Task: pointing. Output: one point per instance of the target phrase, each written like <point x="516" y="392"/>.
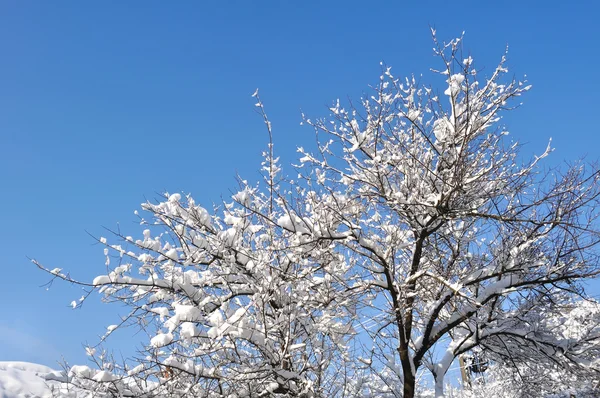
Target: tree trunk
<point x="408" y="372"/>
<point x="409" y="385"/>
<point x="439" y="387"/>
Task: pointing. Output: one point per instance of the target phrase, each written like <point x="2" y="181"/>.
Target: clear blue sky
<point x="105" y="104"/>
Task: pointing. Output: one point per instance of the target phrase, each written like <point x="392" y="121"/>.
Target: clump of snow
<point x="101" y="280"/>
<point x="161" y="340"/>
<point x="81" y="371"/>
<point x="454" y="84"/>
<point x="103" y="375"/>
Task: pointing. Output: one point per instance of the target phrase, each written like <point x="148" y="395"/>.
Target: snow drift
<point x="23" y="379"/>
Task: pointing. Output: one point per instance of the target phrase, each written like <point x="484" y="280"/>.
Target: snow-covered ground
<point x="28" y="380"/>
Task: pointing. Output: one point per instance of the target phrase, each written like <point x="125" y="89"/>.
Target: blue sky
<point x="104" y="105"/>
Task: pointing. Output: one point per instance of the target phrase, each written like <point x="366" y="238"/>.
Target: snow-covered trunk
<point x="439" y="386"/>
<point x="440" y="369"/>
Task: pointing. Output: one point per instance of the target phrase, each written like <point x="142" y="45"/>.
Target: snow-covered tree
<point x="576" y="324"/>
<point x="414" y="233"/>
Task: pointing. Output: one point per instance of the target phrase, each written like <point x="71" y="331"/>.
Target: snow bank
<point x="23" y="379"/>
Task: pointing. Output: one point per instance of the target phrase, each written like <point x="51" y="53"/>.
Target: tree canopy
<point x="415" y="232"/>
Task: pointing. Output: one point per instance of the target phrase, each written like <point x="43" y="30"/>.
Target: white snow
<point x="175" y="198"/>
<point x="101" y="280"/>
<point x="81" y="371"/>
<point x="103" y="376"/>
<point x="23" y="379"/>
<point x="161" y="340"/>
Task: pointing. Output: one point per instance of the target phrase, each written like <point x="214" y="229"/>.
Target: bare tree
<point x="413" y="234"/>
